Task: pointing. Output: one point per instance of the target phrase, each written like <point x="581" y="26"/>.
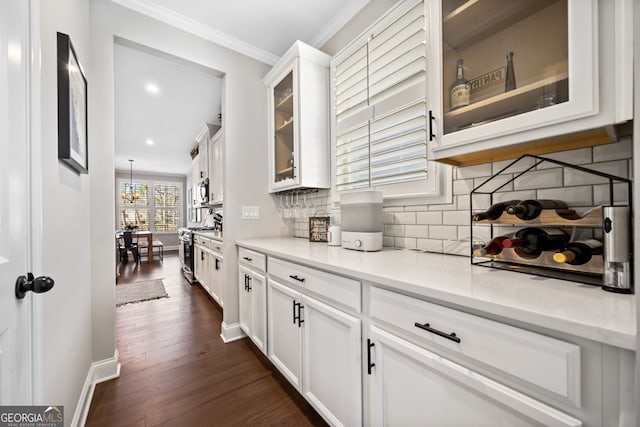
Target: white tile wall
<point x="446" y="228"/>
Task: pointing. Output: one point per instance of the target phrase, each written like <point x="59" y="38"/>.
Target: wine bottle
<point x="531" y="242"/>
<point x="578" y="252"/>
<point x="530" y="209"/>
<point x="494" y="247"/>
<point x="494" y="211"/>
<point x="460" y="90"/>
<point x="510" y="81"/>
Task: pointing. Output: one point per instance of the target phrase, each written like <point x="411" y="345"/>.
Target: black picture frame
<point x="72" y="108"/>
<point x="318" y="227"/>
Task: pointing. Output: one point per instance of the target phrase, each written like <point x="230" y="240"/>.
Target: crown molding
<point x="191" y="26"/>
<point x="348" y="11"/>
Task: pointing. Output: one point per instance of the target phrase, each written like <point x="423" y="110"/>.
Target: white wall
<point x="244" y="118"/>
<point x="66" y="309"/>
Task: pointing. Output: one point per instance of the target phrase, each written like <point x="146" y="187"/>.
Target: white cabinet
<point x="572" y="67"/>
<point x="318" y="349"/>
<point x="410" y="385"/>
<point x="209" y="268"/>
<point x="201" y="265"/>
<point x="298" y="95"/>
<point x="253" y="306"/>
<point x="216" y="168"/>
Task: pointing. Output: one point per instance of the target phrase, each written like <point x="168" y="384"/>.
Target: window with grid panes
<point x="157" y="209"/>
<point x="380" y="110"/>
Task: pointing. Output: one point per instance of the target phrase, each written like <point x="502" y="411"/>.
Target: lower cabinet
<point x="318" y="349"/>
<point x="201" y="266"/>
<point x="410" y="385"/>
<point x="253" y="304"/>
<point x="216" y="282"/>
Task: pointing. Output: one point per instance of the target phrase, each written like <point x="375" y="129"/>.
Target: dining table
<point x="141" y="234"/>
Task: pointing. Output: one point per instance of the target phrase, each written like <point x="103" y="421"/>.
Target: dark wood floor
<point x="176" y="371"/>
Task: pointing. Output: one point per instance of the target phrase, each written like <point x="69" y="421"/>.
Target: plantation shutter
<point x="380" y="110"/>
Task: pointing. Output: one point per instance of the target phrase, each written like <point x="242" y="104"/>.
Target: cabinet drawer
<point x="549" y="363"/>
<point x="254" y="259"/>
<point x="199" y="240"/>
<point x="215" y="246"/>
<point x="343" y="291"/>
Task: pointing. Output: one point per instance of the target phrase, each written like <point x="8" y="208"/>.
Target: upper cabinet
<point x="298" y="88"/>
<point x="531" y="75"/>
<point x="216" y="168"/>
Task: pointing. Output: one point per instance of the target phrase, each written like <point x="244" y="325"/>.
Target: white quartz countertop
<point x="573" y="308"/>
<point x="214" y="235"/>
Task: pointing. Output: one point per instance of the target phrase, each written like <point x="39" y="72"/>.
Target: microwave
<point x="201" y="193"/>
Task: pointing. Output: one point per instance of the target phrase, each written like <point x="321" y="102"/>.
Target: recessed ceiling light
<point x="149" y="142"/>
<point x="152" y="88"/>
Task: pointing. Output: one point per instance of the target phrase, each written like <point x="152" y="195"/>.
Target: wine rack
<point x="582" y="221"/>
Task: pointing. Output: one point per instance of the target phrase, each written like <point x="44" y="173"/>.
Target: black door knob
<point x="38" y="285"/>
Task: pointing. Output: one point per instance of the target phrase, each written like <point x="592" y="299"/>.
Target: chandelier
<point x="130" y="193"/>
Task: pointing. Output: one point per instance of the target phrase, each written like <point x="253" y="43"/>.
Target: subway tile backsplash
<point x="445" y="228"/>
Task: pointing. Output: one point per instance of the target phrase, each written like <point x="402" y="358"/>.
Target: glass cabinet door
<point x="284" y="130"/>
<point x="502" y="58"/>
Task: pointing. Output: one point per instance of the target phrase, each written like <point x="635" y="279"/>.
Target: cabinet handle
<point x="217" y="264"/>
<point x="452" y="336"/>
<point x="249" y="284"/>
<point x="294" y="311"/>
<point x="201" y="255"/>
<point x="201" y="174"/>
<point x="300" y="319"/>
<point x="299" y="279"/>
<point x="369" y="364"/>
<point x="246" y="258"/>
<point x="431" y="119"/>
<point x="245" y="282"/>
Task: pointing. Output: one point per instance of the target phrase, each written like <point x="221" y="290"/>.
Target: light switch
<point x="250" y="212"/>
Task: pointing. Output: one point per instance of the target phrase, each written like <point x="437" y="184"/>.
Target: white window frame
<point x="437" y="188"/>
<point x="151" y="183"/>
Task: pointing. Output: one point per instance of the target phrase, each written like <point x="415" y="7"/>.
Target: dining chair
<point x="129" y="246"/>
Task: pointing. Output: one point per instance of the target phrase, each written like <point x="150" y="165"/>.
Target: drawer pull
<point x="299" y="279"/>
<point x="452" y="336"/>
<point x="246" y="258"/>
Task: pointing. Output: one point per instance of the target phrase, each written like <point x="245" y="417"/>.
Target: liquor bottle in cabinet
<point x="460" y="91"/>
<point x="510" y="80"/>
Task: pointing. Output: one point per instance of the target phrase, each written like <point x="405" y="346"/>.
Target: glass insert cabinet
<point x="298" y="123"/>
<point x="511" y="71"/>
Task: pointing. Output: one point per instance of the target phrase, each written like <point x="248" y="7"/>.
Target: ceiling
<point x="174" y="115"/>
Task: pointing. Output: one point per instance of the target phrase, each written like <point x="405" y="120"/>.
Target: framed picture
<point x="72" y="108"/>
<point x="318" y="227"/>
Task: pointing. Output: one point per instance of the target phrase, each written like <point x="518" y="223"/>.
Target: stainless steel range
<point x="186" y="249"/>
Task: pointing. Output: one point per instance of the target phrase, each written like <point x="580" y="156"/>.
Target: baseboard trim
<point x="230" y="333"/>
<point x="100" y="371"/>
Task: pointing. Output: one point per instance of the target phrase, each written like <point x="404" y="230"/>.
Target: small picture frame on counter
<point x="318" y="227"/>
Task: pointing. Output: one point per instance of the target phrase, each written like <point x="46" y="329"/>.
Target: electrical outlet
<point x="250" y="212"/>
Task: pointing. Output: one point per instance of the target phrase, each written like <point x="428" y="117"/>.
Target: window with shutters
<point x="380" y="111"/>
<point x="158" y="207"/>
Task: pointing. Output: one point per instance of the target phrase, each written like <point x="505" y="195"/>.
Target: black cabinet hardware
<point x="28" y="283"/>
<point x="294" y="310"/>
<point x="201" y="174"/>
<point x="249" y="283"/>
<point x="369" y="364"/>
<point x="300" y="319"/>
<point x="217" y="263"/>
<point x="246" y="283"/>
<point x="299" y="279"/>
<point x="201" y="255"/>
<point x="246" y="258"/>
<point x="452" y="336"/>
<point x="431" y="119"/>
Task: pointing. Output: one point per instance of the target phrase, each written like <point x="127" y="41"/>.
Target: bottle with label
<point x="494" y="247"/>
<point x="460" y="90"/>
<point x="531" y="209"/>
<point x="531" y="242"/>
<point x="510" y="81"/>
<point x="578" y="252"/>
<point x="495" y="211"/>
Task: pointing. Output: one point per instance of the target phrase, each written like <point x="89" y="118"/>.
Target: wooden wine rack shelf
<point x="549" y="218"/>
<point x="545" y="260"/>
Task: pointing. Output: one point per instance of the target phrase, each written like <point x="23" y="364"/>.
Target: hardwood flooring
<point x="176" y="371"/>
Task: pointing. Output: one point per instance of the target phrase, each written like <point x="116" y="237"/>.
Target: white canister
<point x="334" y="236"/>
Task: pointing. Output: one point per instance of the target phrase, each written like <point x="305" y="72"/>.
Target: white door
<point x="215" y="284"/>
<point x="409" y="385"/>
<point x="258" y="292"/>
<point x="244" y="300"/>
<point x="16" y="359"/>
<point x="284" y="334"/>
<point x="331" y="362"/>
